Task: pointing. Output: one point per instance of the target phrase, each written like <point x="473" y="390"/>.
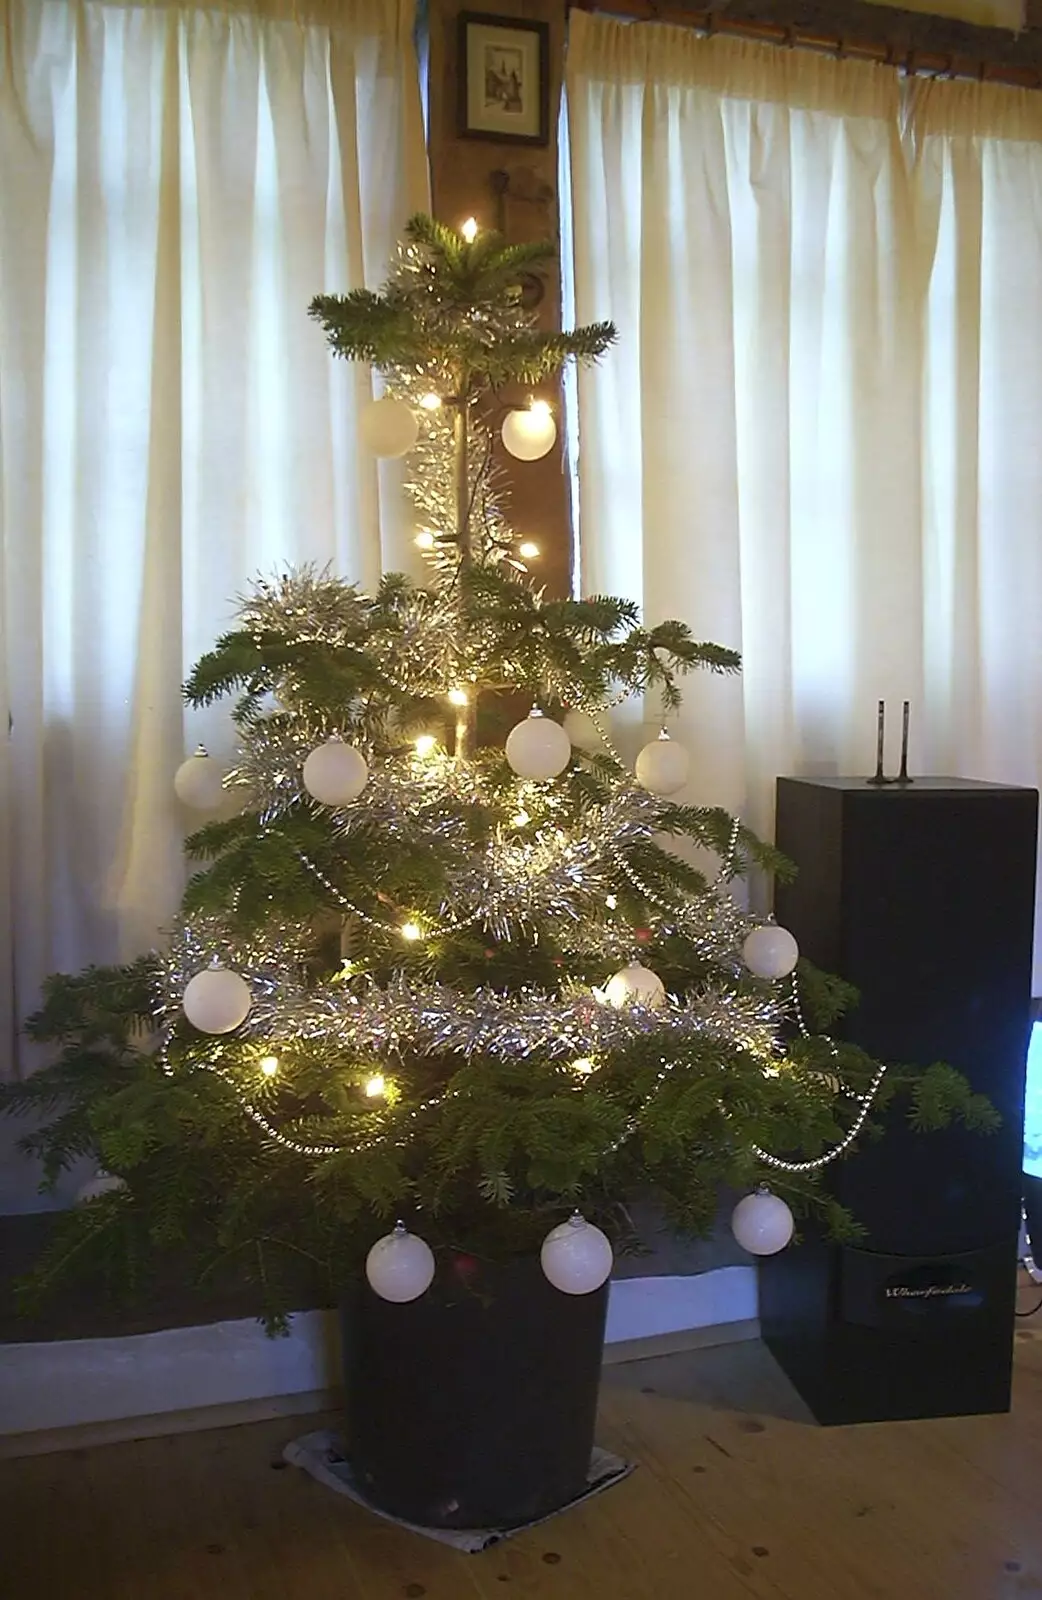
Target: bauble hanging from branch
<point x="663" y="766"/>
<point x="101" y="1184"/>
<point x="217" y="1000"/>
<point x="538" y="748"/>
<point x="582" y="731"/>
<point x="400" y="1266"/>
<point x="531" y="433"/>
<point x="770" y="951"/>
<point x="388" y="427"/>
<point x="335" y="773"/>
<point x="635" y="985"/>
<point x="199" y="782"/>
<point x="762" y="1223"/>
<point x="576" y="1257"/>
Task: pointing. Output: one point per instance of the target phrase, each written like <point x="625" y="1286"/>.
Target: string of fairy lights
<point x="582" y="1067"/>
<point x="727" y="920"/>
<point x="500" y="889"/>
<point x="414" y="930"/>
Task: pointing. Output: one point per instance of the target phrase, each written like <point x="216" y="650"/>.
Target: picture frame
<point x="503" y="68"/>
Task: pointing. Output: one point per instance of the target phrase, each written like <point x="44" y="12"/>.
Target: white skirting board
<point x="98" y="1390"/>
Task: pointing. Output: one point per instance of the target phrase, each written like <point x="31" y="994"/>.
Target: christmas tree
<point x="424" y="975"/>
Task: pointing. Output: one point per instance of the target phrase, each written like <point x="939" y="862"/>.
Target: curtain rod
<point x="919" y="45"/>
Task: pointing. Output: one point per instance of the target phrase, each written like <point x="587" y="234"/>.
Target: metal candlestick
<point x="903" y="775"/>
<point x="880" y="779"/>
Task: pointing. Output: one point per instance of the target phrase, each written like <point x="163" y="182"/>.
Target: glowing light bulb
<point x="583" y="1067"/>
<point x="529" y="432"/>
<point x="424" y="540"/>
<point x="269" y="1065"/>
<point x="611" y="902"/>
<point x="469" y="229"/>
<point x="376" y="1086"/>
<point x="528" y="550"/>
<point x="458" y="697"/>
<point x="430" y="402"/>
<point x="411" y="931"/>
<point x="425" y="744"/>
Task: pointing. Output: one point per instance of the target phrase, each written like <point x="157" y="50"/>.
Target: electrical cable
<point x="1027" y="1261"/>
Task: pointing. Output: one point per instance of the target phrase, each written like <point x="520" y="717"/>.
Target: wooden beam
<point x="910" y="40"/>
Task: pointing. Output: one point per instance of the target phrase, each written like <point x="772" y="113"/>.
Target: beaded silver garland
<point x="514" y="883"/>
<point x="778" y="1165"/>
<point x="450" y="925"/>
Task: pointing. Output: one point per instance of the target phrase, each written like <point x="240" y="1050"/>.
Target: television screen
<point x="1033" y="1105"/>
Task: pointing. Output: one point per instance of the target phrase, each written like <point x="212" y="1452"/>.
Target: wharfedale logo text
<point x="931" y="1292"/>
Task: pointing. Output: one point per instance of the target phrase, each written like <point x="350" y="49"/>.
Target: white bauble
<point x="538" y="747"/>
<point x="762" y="1223"/>
<point x="770" y="951"/>
<point x="400" y="1266"/>
<point x="582" y="731"/>
<point x="199" y="782"/>
<point x="576" y="1256"/>
<point x="663" y="766"/>
<point x="217" y="1000"/>
<point x="94" y="1188"/>
<point x="388" y="427"/>
<point x="635" y="986"/>
<point x="531" y="433"/>
<point x="335" y="773"/>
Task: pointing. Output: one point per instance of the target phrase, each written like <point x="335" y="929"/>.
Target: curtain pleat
<point x="817" y="440"/>
<point x="178" y="181"/>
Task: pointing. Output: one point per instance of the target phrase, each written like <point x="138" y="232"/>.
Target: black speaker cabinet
<point x="923" y="898"/>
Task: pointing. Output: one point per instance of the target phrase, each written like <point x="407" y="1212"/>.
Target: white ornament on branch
<point x="335" y="773"/>
<point x="770" y="951"/>
<point x="217" y="1000"/>
<point x="199" y="782"/>
<point x="388" y="427"/>
<point x="583" y="731"/>
<point x="400" y="1266"/>
<point x="635" y="985"/>
<point x="102" y="1183"/>
<point x="538" y="748"/>
<point x="531" y="433"/>
<point x="762" y="1223"/>
<point x="663" y="766"/>
<point x="576" y="1257"/>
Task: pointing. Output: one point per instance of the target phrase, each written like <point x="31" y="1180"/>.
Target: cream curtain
<point x="820" y="437"/>
<point x="176" y="182"/>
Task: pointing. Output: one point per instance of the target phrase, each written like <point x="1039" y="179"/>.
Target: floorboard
<point x="737" y="1496"/>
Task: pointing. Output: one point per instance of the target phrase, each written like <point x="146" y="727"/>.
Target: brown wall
<point x="463" y="186"/>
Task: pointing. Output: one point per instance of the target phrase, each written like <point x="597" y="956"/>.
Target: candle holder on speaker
<point x="880" y="780"/>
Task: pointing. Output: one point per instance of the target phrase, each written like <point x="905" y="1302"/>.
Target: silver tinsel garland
<point x="409" y="640"/>
<point x="527" y="872"/>
<point x="432" y="1018"/>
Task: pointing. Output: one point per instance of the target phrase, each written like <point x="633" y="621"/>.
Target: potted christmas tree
<point x="441" y="1001"/>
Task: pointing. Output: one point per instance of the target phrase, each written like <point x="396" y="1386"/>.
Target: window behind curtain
<point x="177" y="181"/>
<point x="819" y="439"/>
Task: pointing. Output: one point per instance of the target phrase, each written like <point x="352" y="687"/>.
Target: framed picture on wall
<point x="504" y="79"/>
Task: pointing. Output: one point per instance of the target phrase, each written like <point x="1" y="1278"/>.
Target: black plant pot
<point x="473" y="1406"/>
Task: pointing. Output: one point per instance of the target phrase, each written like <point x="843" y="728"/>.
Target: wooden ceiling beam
<point x="911" y="40"/>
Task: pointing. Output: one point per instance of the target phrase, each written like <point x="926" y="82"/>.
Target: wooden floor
<point x="735" y="1495"/>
